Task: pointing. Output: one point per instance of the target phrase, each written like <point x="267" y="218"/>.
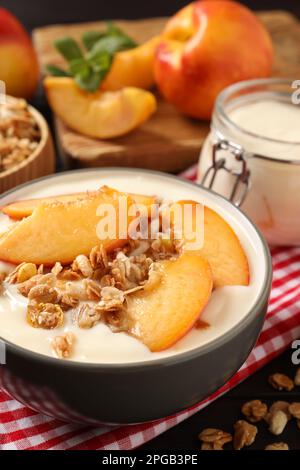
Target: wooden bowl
<point x="40" y="163"/>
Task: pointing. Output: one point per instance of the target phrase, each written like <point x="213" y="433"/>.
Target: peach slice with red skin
<point x="61" y="231"/>
<point x="221" y="248"/>
<point x="24" y="208"/>
<point x="162" y="316"/>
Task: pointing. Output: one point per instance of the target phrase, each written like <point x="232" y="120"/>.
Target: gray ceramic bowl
<point x="139" y="391"/>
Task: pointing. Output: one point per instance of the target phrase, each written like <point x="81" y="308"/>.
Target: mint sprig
<point x="89" y="68"/>
<point x="68" y="48"/>
<point x="90" y="38"/>
<point x="57" y="71"/>
<point x="111" y="44"/>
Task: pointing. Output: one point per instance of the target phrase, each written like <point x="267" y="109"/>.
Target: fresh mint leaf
<point x="113" y="30"/>
<point x="79" y="67"/>
<point x="99" y="61"/>
<point x="89" y="69"/>
<point x="89" y="72"/>
<point x="90" y="82"/>
<point x="89" y="38"/>
<point x="68" y="48"/>
<point x="57" y="71"/>
<point x="111" y="45"/>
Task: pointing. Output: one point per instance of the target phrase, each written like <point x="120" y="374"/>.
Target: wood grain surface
<point x="168" y="141"/>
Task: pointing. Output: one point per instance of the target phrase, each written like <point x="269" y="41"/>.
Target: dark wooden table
<point x="225" y="411"/>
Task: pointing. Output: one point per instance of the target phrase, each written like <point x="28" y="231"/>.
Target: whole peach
<point x="19" y="68"/>
<point x="205" y="47"/>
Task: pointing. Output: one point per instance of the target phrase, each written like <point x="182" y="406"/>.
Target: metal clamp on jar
<point x="242" y="176"/>
<point x="252" y="155"/>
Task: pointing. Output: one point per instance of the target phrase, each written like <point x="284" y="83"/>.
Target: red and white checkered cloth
<point x="22" y="428"/>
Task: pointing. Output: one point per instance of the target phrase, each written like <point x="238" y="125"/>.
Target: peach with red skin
<point x="19" y="66"/>
<point x="207" y="46"/>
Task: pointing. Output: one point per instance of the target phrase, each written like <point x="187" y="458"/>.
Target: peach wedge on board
<point x="20" y="209"/>
<point x="102" y="115"/>
<point x="60" y="231"/>
<point x="161" y="316"/>
<point x="222" y="249"/>
<point x="132" y="67"/>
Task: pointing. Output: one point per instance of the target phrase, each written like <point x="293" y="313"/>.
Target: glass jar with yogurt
<point x="252" y="155"/>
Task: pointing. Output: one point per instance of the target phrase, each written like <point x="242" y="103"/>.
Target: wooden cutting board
<point x="168" y="141"/>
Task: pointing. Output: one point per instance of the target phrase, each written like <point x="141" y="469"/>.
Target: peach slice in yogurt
<point x="19" y="209"/>
<point x="221" y="247"/>
<point x="60" y="231"/>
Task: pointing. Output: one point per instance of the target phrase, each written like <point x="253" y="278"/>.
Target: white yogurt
<point x="226" y="308"/>
<point x="269" y="128"/>
<point x="272" y="120"/>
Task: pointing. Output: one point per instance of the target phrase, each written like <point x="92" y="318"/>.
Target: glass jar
<point x="256" y="171"/>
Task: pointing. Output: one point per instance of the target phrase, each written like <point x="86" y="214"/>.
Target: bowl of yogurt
<point x="112" y="377"/>
<point x="253" y="155"/>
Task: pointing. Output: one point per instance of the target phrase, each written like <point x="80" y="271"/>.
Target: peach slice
<point x="133" y="67"/>
<point x="20" y="209"/>
<point x="222" y="249"/>
<point x="161" y="316"/>
<point x="61" y="231"/>
<point x="104" y="114"/>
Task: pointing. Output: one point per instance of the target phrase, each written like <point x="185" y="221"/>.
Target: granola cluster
<point x="281" y="382"/>
<point x="63" y="345"/>
<point x="92" y="289"/>
<point x="19" y="133"/>
<point x="214" y="439"/>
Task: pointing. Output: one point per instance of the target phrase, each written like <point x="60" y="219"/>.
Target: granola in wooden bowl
<point x="26" y="148"/>
<point x="19" y="133"/>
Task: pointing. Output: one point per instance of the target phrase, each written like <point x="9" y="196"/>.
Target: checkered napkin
<point x="22" y="428"/>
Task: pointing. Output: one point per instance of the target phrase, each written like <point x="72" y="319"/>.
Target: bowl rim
<point x="177" y="358"/>
<point x="45" y="133"/>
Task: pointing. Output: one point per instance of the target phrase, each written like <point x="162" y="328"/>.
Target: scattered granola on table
<point x="277" y="422"/>
<point x="294" y="410"/>
<point x="214" y="439"/>
<point x="254" y="410"/>
<point x="277" y="417"/>
<point x="277" y="446"/>
<point x="279" y="405"/>
<point x="211" y="446"/>
<point x="297" y="377"/>
<point x="19" y="133"/>
<point x="281" y="382"/>
<point x="244" y="434"/>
